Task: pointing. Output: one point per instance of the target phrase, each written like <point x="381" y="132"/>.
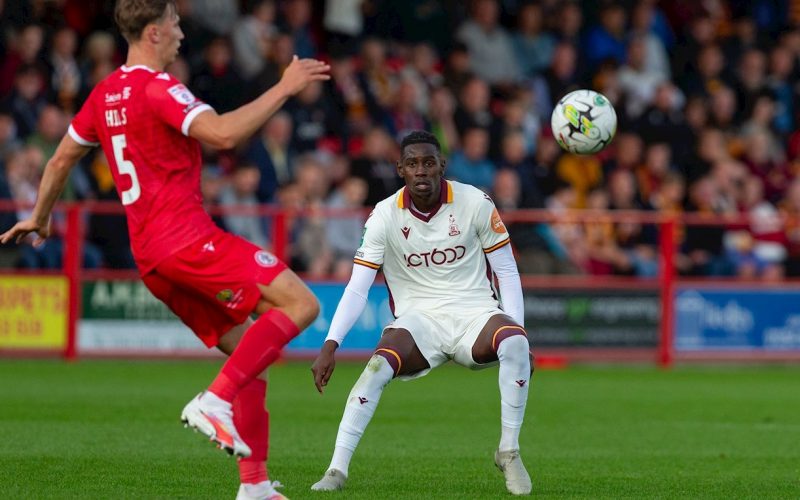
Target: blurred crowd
<point x="705" y="92"/>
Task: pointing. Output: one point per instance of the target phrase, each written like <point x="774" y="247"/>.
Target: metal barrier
<point x="665" y="284"/>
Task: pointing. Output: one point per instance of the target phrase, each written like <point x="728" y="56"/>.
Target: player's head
<point x="151" y="22"/>
<point x="421" y="164"/>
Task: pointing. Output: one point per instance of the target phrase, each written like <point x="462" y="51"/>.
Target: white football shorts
<point x="445" y="336"/>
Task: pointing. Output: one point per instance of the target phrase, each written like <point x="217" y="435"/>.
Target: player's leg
<point x="286" y="306"/>
<point x="251" y="418"/>
<point x="397" y="354"/>
<point x="503" y="340"/>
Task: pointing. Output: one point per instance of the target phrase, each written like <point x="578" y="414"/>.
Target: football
<point x="584" y="122"/>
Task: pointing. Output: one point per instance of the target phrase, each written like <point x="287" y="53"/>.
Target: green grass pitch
<point x="109" y="429"/>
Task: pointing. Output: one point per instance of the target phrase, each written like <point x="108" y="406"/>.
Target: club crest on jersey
<point x="225" y="295"/>
<point x="265" y="259"/>
<point x="406" y="230"/>
<point x="453" y="227"/>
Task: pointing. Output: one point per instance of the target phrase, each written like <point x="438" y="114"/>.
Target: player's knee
<point x="303" y="310"/>
<point x="514" y="348"/>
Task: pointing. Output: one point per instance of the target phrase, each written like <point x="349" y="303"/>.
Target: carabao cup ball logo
<point x="265" y="259"/>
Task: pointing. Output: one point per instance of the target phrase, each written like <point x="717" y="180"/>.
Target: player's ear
<point x="443" y="163"/>
<point x="399" y="165"/>
<point x="151" y="33"/>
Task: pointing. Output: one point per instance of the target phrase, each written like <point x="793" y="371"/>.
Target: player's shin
<point x="252" y="421"/>
<point x="260" y="346"/>
<point x="361" y="405"/>
<point x="514" y="377"/>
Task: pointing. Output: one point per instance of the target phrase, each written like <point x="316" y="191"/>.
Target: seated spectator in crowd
<point x="26" y="50"/>
<point x="314" y="118"/>
<point x="441" y="114"/>
<point x="9" y="140"/>
<point x="422" y="72"/>
<point x="377" y="77"/>
<point x="251" y="38"/>
<point x="271" y="152"/>
<point x="702" y="250"/>
<point x="296" y="21"/>
<point x="471" y="164"/>
<point x="27" y="99"/>
<point x="64" y="70"/>
<point x="241" y="192"/>
<point x="491" y="52"/>
<point x="376" y="165"/>
<point x="108" y="232"/>
<point x="311" y="249"/>
<point x="759" y="248"/>
<point x="635" y="79"/>
<point x="217" y="82"/>
<point x="533" y="46"/>
<point x="212" y="181"/>
<point x="606" y="41"/>
<point x="790" y="209"/>
<point x="473" y="106"/>
<point x="344" y="233"/>
<point x="404" y="117"/>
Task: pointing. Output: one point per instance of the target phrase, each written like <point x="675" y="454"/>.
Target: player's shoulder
<point x="468" y="194"/>
<point x="384" y="207"/>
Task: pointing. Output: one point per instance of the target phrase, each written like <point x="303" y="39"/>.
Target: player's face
<point x="421" y="167"/>
<point x="170" y="35"/>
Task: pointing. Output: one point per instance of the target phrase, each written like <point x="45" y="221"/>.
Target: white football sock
<point x="515" y="371"/>
<point x="358" y="411"/>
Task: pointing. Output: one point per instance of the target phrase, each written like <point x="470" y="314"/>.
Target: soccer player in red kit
<point x="150" y="127"/>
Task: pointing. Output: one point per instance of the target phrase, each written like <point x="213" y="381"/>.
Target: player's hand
<point x="323" y="366"/>
<point x="24" y="228"/>
<point x="301" y="72"/>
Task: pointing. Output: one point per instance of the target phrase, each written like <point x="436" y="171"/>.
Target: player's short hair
<point x="420" y="137"/>
<point x="133" y="15"/>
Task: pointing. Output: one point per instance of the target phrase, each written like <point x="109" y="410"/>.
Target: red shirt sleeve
<point x="82" y="129"/>
<point x="173" y="103"/>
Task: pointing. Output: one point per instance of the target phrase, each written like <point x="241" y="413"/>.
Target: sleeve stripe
<point x="367" y="264"/>
<point x="498" y="245"/>
<point x="187" y="122"/>
<point x="80" y="140"/>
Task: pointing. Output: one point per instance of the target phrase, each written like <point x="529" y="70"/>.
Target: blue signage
<point x="365" y="333"/>
<point x="727" y="319"/>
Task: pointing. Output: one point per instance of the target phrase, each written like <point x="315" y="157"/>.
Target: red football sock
<point x="252" y="421"/>
<point x="260" y="346"/>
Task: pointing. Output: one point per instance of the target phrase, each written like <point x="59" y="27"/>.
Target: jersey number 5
<point x="126" y="167"/>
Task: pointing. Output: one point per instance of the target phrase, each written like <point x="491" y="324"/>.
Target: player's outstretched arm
<point x="350" y="307"/>
<point x="55" y="176"/>
<point x="228" y="130"/>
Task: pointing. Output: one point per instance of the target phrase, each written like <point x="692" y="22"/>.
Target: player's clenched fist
<point x="301" y="72"/>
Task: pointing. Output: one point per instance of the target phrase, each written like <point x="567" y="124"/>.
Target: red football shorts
<point x="212" y="285"/>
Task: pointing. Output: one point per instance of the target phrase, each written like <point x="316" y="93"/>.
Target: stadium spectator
<point x="217" y="82"/>
<point x="344" y="232"/>
<point x="241" y="191"/>
<point x="606" y="41"/>
<point x="26" y="50"/>
<point x="491" y="52"/>
<point x="271" y="152"/>
<point x="314" y="117"/>
<point x="404" y="116"/>
<point x="471" y="164"/>
<point x="251" y="38"/>
<point x="297" y="23"/>
<point x="376" y="166"/>
<point x="533" y="46"/>
<point x="27" y="98"/>
<point x="441" y="113"/>
<point x="65" y="79"/>
<point x="473" y="106"/>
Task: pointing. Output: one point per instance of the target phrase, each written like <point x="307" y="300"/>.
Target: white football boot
<point x="518" y="482"/>
<point x="333" y="480"/>
<point x="264" y="490"/>
<point x="213" y="417"/>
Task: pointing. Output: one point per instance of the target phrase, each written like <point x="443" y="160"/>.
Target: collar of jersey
<point x="128" y="69"/>
<point x="445" y="196"/>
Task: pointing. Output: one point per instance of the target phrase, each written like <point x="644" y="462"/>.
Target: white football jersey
<point x="435" y="262"/>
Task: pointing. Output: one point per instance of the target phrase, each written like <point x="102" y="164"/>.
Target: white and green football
<point x="584" y="122"/>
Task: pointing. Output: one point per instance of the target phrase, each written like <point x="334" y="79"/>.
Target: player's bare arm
<point x="229" y="129"/>
<point x="56" y="174"/>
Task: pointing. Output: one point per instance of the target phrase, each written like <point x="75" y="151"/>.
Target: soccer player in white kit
<point x="433" y="239"/>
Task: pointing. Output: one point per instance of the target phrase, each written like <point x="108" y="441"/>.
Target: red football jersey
<point x="141" y="119"/>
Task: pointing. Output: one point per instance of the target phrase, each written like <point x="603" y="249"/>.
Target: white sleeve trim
<point x="187" y="122"/>
<point x="80" y="140"/>
<point x="352" y="303"/>
<point x="505" y="267"/>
